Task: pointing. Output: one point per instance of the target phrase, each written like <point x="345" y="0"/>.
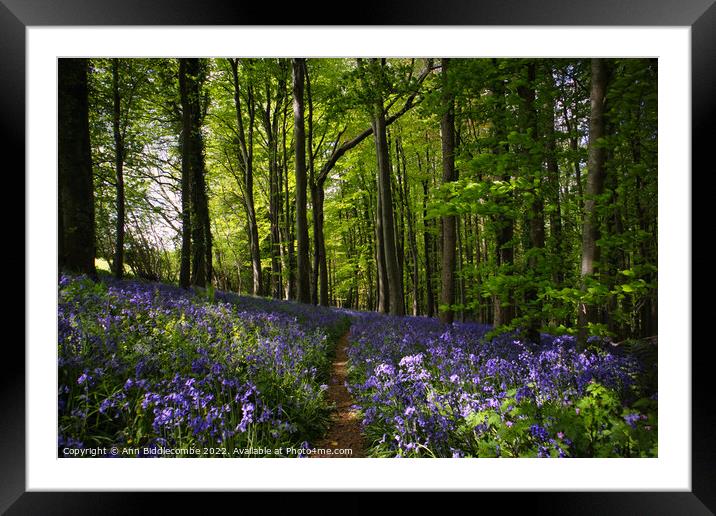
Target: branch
<point x="340" y="151"/>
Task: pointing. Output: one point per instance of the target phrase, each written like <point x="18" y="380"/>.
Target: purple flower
<point x="632" y="419"/>
<point x="539" y="433"/>
<point x="188" y="367"/>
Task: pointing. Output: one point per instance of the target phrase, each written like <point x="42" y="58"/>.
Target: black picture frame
<point x="16" y="15"/>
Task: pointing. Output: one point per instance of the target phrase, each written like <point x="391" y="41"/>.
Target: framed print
<point x="679" y="479"/>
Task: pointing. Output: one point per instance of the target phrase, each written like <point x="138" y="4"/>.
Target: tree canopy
<point x="515" y="192"/>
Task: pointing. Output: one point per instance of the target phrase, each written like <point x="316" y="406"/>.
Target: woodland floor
<point x="345" y="430"/>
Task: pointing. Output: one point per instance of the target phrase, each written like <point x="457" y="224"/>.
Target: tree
<point x="135" y="123"/>
<point x="299" y="138"/>
<point x="389" y="224"/>
<point x="196" y="211"/>
<point x="408" y="216"/>
<point x="393" y="276"/>
<point x="427" y="253"/>
<point x="186" y="180"/>
<point x="595" y="187"/>
<point x="532" y="156"/>
<point x="76" y="188"/>
<point x="245" y="137"/>
<point x="553" y="177"/>
<point x="320" y="266"/>
<point x="447" y="131"/>
<point x="503" y="303"/>
<point x="270" y="121"/>
<point x="118" y="263"/>
<point x="319" y="176"/>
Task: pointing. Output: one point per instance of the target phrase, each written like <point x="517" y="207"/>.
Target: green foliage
<point x="502" y="158"/>
<point x="148" y="126"/>
<point x="596" y="425"/>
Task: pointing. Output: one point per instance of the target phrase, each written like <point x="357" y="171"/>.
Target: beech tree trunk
<point x="533" y="162"/>
<point x="555" y="215"/>
<point x="503" y="307"/>
<point x="427" y="250"/>
<point x="320" y="267"/>
<point x="595" y="186"/>
<point x="75" y="182"/>
<point x="270" y="120"/>
<point x="319" y="278"/>
<point x="387" y="219"/>
<point x="245" y="138"/>
<point x="410" y="222"/>
<point x="303" y="269"/>
<point x="193" y="157"/>
<point x="118" y="262"/>
<point x="186" y="181"/>
<point x="288" y="219"/>
<point x="447" y="132"/>
<point x="382" y="274"/>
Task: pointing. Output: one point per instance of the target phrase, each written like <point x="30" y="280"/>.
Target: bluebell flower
<point x="632" y="419"/>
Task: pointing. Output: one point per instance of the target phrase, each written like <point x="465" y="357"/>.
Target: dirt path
<point x="344" y="431"/>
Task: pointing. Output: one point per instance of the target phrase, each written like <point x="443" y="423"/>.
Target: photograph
<point x="441" y="242"/>
<point x="384" y="257"/>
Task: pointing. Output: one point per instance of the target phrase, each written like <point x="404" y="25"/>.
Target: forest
<point x="475" y="239"/>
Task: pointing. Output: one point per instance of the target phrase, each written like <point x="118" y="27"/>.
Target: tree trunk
<point x="118" y="262"/>
<point x="533" y="163"/>
<point x="595" y="186"/>
<point x="271" y="127"/>
<point x="573" y="131"/>
<point x="75" y="179"/>
<point x="398" y="211"/>
<point x="319" y="246"/>
<point x="412" y="240"/>
<point x="503" y="310"/>
<point x="447" y="132"/>
<point x="274" y="216"/>
<point x="246" y="164"/>
<point x="382" y="274"/>
<point x="312" y="186"/>
<point x="208" y="241"/>
<point x="553" y="184"/>
<point x="299" y="138"/>
<point x="459" y="271"/>
<point x="616" y="259"/>
<point x="319" y="278"/>
<point x="186" y="182"/>
<point x="193" y="157"/>
<point x="427" y="250"/>
<point x="370" y="241"/>
<point x="395" y="284"/>
<point x="467" y="266"/>
<point x="648" y="316"/>
<point x="288" y="222"/>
